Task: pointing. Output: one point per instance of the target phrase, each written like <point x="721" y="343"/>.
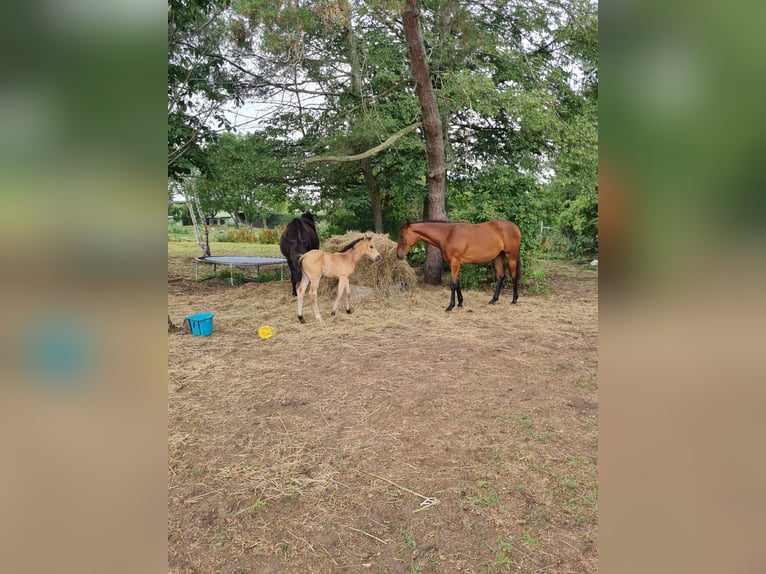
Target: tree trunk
<point x="375" y="203"/>
<point x="432" y="129"/>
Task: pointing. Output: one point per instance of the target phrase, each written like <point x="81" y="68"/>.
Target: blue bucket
<point x="201" y="324"/>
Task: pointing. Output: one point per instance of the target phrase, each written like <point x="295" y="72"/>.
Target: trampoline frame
<point x="239" y="261"/>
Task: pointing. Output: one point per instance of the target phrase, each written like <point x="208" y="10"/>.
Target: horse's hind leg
<point x="514" y="263"/>
<point x="500" y="274"/>
<point x="315" y="305"/>
<point x="301" y="291"/>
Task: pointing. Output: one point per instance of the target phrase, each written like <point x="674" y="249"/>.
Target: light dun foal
<point x="316" y="264"/>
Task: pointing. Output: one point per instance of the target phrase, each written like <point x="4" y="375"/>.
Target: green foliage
<point x="178" y="211"/>
<point x="247" y="176"/>
<point x="249" y="235"/>
<point x="500" y="192"/>
<point x="178" y="232"/>
<point x="517" y="88"/>
<point x="579" y="222"/>
<point x="200" y="81"/>
<point x="533" y="277"/>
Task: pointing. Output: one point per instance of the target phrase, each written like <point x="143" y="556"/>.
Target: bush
<point x="579" y="223"/>
<point x="241" y="235"/>
<point x="270" y="236"/>
<point x="250" y="235"/>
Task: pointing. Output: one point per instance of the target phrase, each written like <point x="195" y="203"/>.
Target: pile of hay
<point x="389" y="275"/>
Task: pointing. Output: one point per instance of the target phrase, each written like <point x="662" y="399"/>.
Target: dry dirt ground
<point x="398" y="438"/>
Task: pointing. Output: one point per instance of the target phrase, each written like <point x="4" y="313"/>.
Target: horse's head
<point x="406" y="240"/>
<point x="369" y="248"/>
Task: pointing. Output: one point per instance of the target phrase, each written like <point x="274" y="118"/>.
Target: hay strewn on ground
<point x="387" y="276"/>
<point x="313" y="450"/>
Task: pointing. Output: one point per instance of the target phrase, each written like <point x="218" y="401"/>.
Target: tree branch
<point x="369" y="153"/>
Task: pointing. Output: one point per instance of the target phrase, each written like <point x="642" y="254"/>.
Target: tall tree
<point x="436" y="173"/>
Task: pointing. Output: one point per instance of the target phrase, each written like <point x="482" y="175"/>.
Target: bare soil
<point x="398" y="438"/>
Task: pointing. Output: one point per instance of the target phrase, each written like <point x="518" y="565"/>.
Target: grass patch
<point x="260" y="505"/>
<point x="486" y="497"/>
<point x="531" y="429"/>
<point x="588" y="384"/>
<point x="220" y="538"/>
<point x="284" y="550"/>
<point x="502" y="551"/>
<point x="409" y="538"/>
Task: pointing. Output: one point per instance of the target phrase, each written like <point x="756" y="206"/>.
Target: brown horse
<point x="299" y="237"/>
<point x="468" y="243"/>
<point x="316" y="264"/>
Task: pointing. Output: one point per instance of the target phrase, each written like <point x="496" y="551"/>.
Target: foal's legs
<point x="313" y="293"/>
<point x="301" y="290"/>
<point x="348" y="297"/>
<point x="343" y="287"/>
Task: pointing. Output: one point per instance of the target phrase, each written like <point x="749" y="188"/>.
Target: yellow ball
<point x="265" y="332"/>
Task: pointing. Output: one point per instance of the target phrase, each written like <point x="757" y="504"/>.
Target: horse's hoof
<point x="333" y="313"/>
<point x="300" y="318"/>
<point x="348" y="311"/>
<point x="448" y="309"/>
<point x="513" y="302"/>
<point x="492" y="301"/>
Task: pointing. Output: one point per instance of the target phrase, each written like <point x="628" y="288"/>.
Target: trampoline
<point x="239" y="261"/>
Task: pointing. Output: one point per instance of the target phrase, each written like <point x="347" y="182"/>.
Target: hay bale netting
<point x="387" y="276"/>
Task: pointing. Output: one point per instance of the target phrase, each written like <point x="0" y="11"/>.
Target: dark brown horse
<point x="468" y="243"/>
<point x="299" y="237"/>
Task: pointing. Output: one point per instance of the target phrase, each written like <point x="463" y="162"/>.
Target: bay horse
<point x="316" y="264"/>
<point x="299" y="237"/>
<point x="462" y="242"/>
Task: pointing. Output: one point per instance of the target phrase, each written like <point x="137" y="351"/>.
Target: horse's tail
<point x="299" y="263"/>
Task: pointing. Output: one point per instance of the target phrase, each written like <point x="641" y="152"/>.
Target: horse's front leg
<point x="453" y="288"/>
<point x="348" y="297"/>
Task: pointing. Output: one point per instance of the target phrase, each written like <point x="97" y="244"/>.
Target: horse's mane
<point x="406" y="223"/>
<point x="351" y="245"/>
